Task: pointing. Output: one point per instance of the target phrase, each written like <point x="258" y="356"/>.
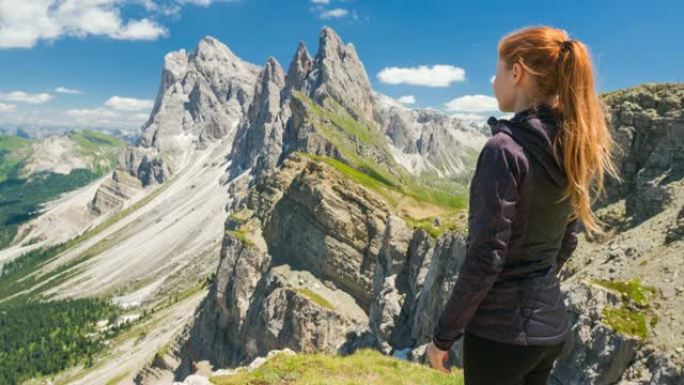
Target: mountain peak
<point x="329" y="42"/>
<point x="271" y="64"/>
<point x="209" y="48"/>
<point x="338" y="73"/>
<point x="202" y="97"/>
<point x="300" y="66"/>
<point x="302" y="54"/>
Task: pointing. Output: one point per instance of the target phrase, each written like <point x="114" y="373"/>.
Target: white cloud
<point x="472" y="104"/>
<point x="67" y="90"/>
<point x="205" y="3"/>
<point x="128" y="104"/>
<point x="491" y="80"/>
<point x="407" y="99"/>
<point x="115" y="113"/>
<point x="439" y="75"/>
<point x="4" y="107"/>
<point x="466" y="116"/>
<point x="91" y="113"/>
<point x="144" y="29"/>
<point x="320" y="1"/>
<point x="24" y="97"/>
<point x="52" y="118"/>
<point x="25" y="23"/>
<point x="334" y="13"/>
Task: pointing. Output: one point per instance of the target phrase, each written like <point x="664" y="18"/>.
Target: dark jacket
<point x="507" y="289"/>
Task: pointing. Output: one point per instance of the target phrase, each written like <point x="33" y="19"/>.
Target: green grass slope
<point x="364" y="367"/>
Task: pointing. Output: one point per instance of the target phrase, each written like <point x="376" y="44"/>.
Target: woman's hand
<point x="437" y="357"/>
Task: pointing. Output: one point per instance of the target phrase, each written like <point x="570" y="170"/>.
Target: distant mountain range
<point x="35" y="171"/>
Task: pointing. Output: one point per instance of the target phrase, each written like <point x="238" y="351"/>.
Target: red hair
<point x="562" y="66"/>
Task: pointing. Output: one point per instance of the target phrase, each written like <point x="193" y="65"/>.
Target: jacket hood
<point x="535" y="129"/>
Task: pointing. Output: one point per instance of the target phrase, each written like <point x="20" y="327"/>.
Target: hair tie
<point x="566" y="45"/>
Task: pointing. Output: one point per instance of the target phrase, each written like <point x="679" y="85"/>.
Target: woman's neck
<point x="525" y="103"/>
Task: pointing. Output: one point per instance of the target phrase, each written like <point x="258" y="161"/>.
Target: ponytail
<point x="563" y="67"/>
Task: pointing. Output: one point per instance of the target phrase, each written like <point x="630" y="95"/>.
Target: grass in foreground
<point x="365" y="367"/>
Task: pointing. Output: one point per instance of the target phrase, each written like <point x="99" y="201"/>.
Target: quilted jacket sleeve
<point x="493" y="198"/>
<point x="569" y="243"/>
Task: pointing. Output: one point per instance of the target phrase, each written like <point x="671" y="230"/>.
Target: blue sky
<point x="108" y="53"/>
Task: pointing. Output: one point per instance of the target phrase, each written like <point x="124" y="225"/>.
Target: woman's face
<point x="504" y="85"/>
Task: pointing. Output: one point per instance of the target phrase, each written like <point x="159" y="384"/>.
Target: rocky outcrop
<point x="648" y="125"/>
<point x="338" y="73"/>
<point x="330" y="226"/>
<point x="202" y="96"/>
<point x="300" y="67"/>
<point x="280" y="122"/>
<point x="596" y="355"/>
<point x="412" y="284"/>
<point x="315" y="262"/>
<point x="642" y="244"/>
<point x="113" y="192"/>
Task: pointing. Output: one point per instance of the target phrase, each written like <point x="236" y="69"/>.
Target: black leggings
<point x="487" y="362"/>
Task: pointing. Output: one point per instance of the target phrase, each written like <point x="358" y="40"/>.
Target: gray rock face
<point x="258" y="303"/>
<point x="643" y="213"/>
<point x="300" y="67"/>
<point x="428" y="142"/>
<point x="412" y="284"/>
<point x="259" y="140"/>
<point x="113" y="192"/>
<point x="338" y="73"/>
<point x="422" y="141"/>
<point x="597" y="355"/>
<point x="202" y="96"/>
<point x="335" y="73"/>
<point x="315" y="262"/>
<point x="594" y="354"/>
<point x="648" y="125"/>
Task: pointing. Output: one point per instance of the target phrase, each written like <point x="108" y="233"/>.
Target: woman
<point x="530" y="190"/>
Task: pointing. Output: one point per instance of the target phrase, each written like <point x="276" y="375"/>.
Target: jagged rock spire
<point x="258" y="142"/>
<point x="300" y="67"/>
<point x="266" y="102"/>
<point x="338" y="73"/>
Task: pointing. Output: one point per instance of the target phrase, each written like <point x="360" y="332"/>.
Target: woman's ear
<point x="518" y="73"/>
